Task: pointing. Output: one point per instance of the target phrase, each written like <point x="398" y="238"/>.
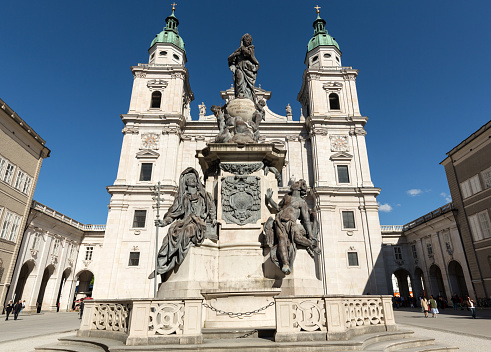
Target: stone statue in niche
<point x="192" y="212"/>
<point x="241" y="199"/>
<point x="284" y="233"/>
<point x="244" y="66"/>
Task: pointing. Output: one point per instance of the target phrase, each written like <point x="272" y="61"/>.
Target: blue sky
<point x="423" y="82"/>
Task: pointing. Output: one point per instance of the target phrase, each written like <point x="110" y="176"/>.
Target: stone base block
<point x="302" y="336"/>
<point x="259" y="303"/>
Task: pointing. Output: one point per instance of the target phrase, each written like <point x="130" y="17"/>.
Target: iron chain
<point x="232" y="314"/>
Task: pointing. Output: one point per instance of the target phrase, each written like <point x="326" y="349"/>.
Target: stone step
<point x="400" y="345"/>
<point x="434" y="348"/>
<point x="213" y="334"/>
<point x="69" y="348"/>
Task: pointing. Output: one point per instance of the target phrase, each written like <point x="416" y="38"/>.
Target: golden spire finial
<point x="317" y="7"/>
<point x="173" y="6"/>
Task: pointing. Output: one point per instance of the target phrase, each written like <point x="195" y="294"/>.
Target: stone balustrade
<point x="337" y="317"/>
<point x="180" y="321"/>
<point x="144" y="321"/>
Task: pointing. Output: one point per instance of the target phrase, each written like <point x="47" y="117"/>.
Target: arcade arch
<point x="457" y="279"/>
<point x="436" y="282"/>
<point x="84" y="284"/>
<point x="403" y="281"/>
<point x="25" y="271"/>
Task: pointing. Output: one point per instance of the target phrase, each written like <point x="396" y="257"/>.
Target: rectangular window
<point x="466" y="189"/>
<point x="398" y="253"/>
<point x="475" y="228"/>
<point x="353" y="258"/>
<point x="36" y="239"/>
<point x="475" y="184"/>
<point x="146" y="172"/>
<point x="343" y="174"/>
<point x="348" y="220"/>
<point x="7" y="223"/>
<point x="19" y="181"/>
<point x="139" y="219"/>
<point x="486" y="177"/>
<point x="9" y="173"/>
<point x="415" y="252"/>
<point x="134" y="259"/>
<point x="56" y="245"/>
<point x="88" y="252"/>
<point x="27" y="185"/>
<point x="15" y="227"/>
<point x="3" y="162"/>
<point x="485" y="224"/>
<point x="448" y="241"/>
<point x="429" y="248"/>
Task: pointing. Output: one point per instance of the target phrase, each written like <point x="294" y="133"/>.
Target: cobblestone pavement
<point x="451" y="328"/>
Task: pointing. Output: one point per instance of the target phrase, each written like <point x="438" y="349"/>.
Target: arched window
<point x="156" y="98"/>
<point x="334" y="101"/>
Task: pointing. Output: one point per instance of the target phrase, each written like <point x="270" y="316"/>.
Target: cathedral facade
<point x="325" y="147"/>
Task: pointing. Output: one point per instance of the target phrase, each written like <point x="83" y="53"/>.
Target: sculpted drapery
<point x="244" y="65"/>
<point x="191" y="210"/>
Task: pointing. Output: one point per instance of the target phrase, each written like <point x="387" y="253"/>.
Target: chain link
<point x="247" y="335"/>
<point x="235" y="315"/>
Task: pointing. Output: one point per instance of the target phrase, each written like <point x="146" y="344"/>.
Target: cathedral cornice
<point x="345" y="191"/>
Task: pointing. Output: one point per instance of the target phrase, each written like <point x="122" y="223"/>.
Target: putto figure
<point x="192" y="209"/>
<point x="244" y="66"/>
<point x="284" y="233"/>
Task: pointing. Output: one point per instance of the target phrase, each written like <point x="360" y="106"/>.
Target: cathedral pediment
<point x="147" y="154"/>
<point x="341" y="156"/>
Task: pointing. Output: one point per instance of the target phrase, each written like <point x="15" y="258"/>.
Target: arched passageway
<point x="420" y="286"/>
<point x="25" y="271"/>
<point x="85" y="282"/>
<point x="457" y="279"/>
<point x="44" y="282"/>
<point x="436" y="281"/>
<point x="404" y="285"/>
<point x="64" y="278"/>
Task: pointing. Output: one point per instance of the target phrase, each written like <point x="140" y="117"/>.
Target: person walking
<point x="424" y="306"/>
<point x="434" y="307"/>
<point x="8" y="309"/>
<point x="17" y="309"/>
<point x="23" y="306"/>
<point x="472" y="306"/>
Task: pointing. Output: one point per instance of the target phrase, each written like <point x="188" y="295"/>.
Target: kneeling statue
<point x="284" y="233"/>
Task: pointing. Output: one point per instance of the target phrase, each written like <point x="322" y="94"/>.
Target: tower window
<point x="348" y="220"/>
<point x="156" y="98"/>
<point x="139" y="219"/>
<point x="343" y="174"/>
<point x="327" y="56"/>
<point x="334" y="101"/>
<point x="134" y="259"/>
<point x="314" y="59"/>
<point x="175" y="57"/>
<point x="337" y="59"/>
<point x="146" y="172"/>
<point x="163" y="53"/>
<point x="353" y="259"/>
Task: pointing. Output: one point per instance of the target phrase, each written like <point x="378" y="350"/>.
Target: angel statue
<point x="192" y="209"/>
<point x="284" y="233"/>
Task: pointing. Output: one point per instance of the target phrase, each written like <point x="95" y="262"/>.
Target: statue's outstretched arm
<point x="270" y="201"/>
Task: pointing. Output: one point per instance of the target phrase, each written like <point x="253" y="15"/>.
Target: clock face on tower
<point x="150" y="141"/>
<point x="339" y="143"/>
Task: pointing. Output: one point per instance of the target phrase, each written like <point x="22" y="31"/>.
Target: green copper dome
<point x="170" y="33"/>
<point x="321" y="37"/>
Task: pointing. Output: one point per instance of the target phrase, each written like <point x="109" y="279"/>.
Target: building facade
<point x="22" y="152"/>
<point x="326" y="147"/>
<point x="56" y="260"/>
<point x="426" y="256"/>
<point x="468" y="169"/>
